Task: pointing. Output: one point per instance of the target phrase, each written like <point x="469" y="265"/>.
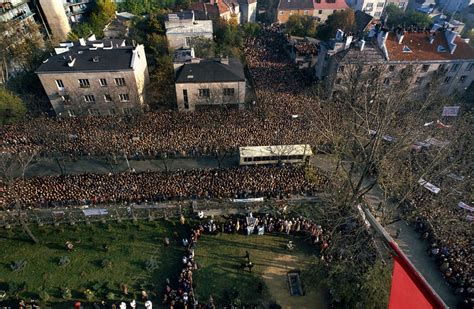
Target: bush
<point x="18" y="266"/>
<point x="151" y="264"/>
<point x="106" y="263"/>
<point x="89" y="295"/>
<point x="64" y="261"/>
<point x="44" y="296"/>
<point x="111" y="296"/>
<point x="66" y="293"/>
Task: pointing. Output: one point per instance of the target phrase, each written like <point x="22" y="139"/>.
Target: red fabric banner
<point x="409" y="290"/>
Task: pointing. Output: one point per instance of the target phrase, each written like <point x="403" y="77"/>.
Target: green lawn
<point x="220" y="275"/>
<point x="130" y="246"/>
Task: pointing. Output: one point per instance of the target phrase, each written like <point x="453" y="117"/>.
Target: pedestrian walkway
<point x="416" y="250"/>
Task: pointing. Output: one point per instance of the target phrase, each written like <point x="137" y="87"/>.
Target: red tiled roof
<point x="337" y="5"/>
<point x="422" y="50"/>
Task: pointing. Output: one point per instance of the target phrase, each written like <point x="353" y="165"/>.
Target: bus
<point x="252" y="155"/>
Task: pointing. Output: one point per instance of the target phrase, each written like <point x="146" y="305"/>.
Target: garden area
<point x="222" y="277"/>
<point x="110" y="262"/>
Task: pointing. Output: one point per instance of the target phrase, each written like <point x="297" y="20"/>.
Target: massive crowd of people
<point x="278" y="86"/>
<point x="237" y="182"/>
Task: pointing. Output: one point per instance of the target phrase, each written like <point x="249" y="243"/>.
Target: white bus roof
<point x="267" y="151"/>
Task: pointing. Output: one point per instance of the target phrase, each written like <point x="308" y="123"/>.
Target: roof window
<point x="441" y="49"/>
<point x="406" y="49"/>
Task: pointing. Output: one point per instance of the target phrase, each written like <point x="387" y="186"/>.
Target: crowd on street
<point x="451" y="244"/>
<point x="237" y="182"/>
<point x="270" y="121"/>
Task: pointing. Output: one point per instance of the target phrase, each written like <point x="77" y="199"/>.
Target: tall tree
<point x="12" y="108"/>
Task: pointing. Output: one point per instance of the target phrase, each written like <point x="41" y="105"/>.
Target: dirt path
<point x="276" y="279"/>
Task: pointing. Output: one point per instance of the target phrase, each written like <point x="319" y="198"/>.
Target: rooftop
<point x="296" y="5"/>
<point x="198" y="26"/>
<point x="421" y="50"/>
<point x="209" y="71"/>
<point x="328" y="5"/>
<point x="93" y="55"/>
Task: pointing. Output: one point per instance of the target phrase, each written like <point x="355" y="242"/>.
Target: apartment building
<point x="95" y="77"/>
<point x="207" y="83"/>
<point x="181" y="28"/>
<point x="438" y="56"/>
<point x="225" y="9"/>
<point x="15" y="10"/>
<point x="320" y="9"/>
<point x="372" y="7"/>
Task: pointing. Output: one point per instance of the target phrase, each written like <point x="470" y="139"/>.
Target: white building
<point x="181" y="28"/>
<point x="371" y="7"/>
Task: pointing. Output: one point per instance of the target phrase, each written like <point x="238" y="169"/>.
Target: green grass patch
<point x="105" y="258"/>
<point x="221" y="275"/>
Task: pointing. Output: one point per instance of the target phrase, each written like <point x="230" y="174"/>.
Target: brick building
<point x="95" y="77"/>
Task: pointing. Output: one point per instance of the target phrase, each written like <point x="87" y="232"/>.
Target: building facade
<point x="226" y="9"/>
<point x="95" y="77"/>
<point x="248" y="11"/>
<point x="372" y="7"/>
<point x="320" y="9"/>
<point x="438" y="58"/>
<point x="207" y="83"/>
<point x="181" y="28"/>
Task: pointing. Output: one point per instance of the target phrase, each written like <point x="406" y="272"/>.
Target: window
<point x="470" y="66"/>
<point x="281" y="12"/>
<point x="334" y="11"/>
<point x="103" y="82"/>
<point x="60" y="84"/>
<point x="305" y="12"/>
<point x="455" y="67"/>
<point x="462" y="79"/>
<point x="318" y="1"/>
<point x="447" y="79"/>
<point x="187" y="41"/>
<point x="386" y="81"/>
<point x="380" y="4"/>
<point x="369" y="6"/>
<point x="124" y="97"/>
<point x="94" y="112"/>
<point x="84" y="83"/>
<point x="185" y="99"/>
<point x="330" y="1"/>
<point x="229" y="92"/>
<point x="442" y="67"/>
<point x="338" y="81"/>
<point x="89" y="98"/>
<point x="377" y="14"/>
<point x="127" y="110"/>
<point x="320" y="12"/>
<point x="66" y="99"/>
<point x="120" y="81"/>
<point x="425" y="67"/>
<point x="107" y="98"/>
<point x="391" y="68"/>
<point x="204" y="93"/>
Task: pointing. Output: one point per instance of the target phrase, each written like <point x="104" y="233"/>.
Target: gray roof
<point x="209" y="71"/>
<point x="117" y="58"/>
<point x="296" y="5"/>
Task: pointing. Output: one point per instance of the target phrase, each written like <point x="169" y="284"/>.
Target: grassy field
<point x="220" y="275"/>
<point x="105" y="257"/>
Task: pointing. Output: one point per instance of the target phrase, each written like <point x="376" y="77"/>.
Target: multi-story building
<point x="205" y="83"/>
<point x="437" y="58"/>
<point x="320" y="9"/>
<point x="324" y="8"/>
<point x="402" y="4"/>
<point x="371" y="7"/>
<point x="181" y="28"/>
<point x="225" y="9"/>
<point x="248" y="11"/>
<point x="15" y="10"/>
<point x="95" y="77"/>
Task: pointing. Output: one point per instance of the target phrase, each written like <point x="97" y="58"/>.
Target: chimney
<point x="362" y="45"/>
<point x="400" y="36"/>
<point x="225" y="60"/>
<point x="82" y="42"/>
<point x="71" y="62"/>
<point x="431" y="38"/>
<point x="348" y="42"/>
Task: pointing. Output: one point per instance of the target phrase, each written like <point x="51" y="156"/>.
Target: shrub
<point x="44" y="296"/>
<point x="110" y="296"/>
<point x="106" y="263"/>
<point x="89" y="295"/>
<point x="18" y="266"/>
<point x="64" y="261"/>
<point x="66" y="293"/>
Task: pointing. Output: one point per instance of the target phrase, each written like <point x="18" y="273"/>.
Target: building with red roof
<point x="320" y="9"/>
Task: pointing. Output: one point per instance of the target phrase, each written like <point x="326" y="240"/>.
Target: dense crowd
<point x="279" y="89"/>
<point x="451" y="240"/>
<point x="259" y="181"/>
